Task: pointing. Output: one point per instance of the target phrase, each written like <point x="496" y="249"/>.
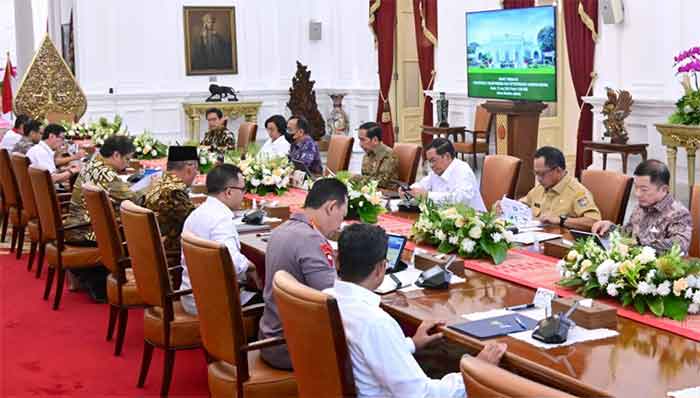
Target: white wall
<point x="137" y="48"/>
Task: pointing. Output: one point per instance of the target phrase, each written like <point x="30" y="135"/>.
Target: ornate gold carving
<point x="49" y="86"/>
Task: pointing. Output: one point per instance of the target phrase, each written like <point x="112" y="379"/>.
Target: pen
<point x="519" y="322"/>
<point x="520" y="307"/>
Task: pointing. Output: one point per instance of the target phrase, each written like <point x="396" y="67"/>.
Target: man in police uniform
<point x="558" y="198"/>
<point x="219" y="138"/>
<point x="169" y="198"/>
<point x="379" y="162"/>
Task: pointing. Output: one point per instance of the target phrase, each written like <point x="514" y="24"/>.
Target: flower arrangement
<point x="207" y="159"/>
<point x="687" y="65"/>
<point x="147" y="147"/>
<point x="461" y="229"/>
<point x="364" y="199"/>
<point x="103" y="129"/>
<point x="77" y="131"/>
<point x="263" y="174"/>
<point x="667" y="285"/>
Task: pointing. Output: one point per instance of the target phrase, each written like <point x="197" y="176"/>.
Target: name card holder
<point x="597" y="316"/>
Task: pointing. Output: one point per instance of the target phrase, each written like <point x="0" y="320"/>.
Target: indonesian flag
<point x="7" y="86"/>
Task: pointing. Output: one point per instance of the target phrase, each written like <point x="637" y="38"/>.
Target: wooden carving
<point x="302" y="101"/>
<point x="616" y="109"/>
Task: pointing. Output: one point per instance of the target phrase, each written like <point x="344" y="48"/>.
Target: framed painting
<point x="210" y="41"/>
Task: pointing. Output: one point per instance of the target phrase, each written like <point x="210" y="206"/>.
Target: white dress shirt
<point x="42" y="155"/>
<point x="278" y="147"/>
<point x="457" y="184"/>
<point x="213" y="220"/>
<point x="9" y="140"/>
<point x="382" y="357"/>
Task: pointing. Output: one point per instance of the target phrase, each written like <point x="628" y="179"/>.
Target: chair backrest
<point x="20" y="166"/>
<point x="8" y="181"/>
<point x="498" y="178"/>
<point x="147" y="253"/>
<point x="46" y="204"/>
<point x="610" y="190"/>
<point x="482" y="120"/>
<point x="484" y="380"/>
<point x="339" y="152"/>
<point x="409" y="157"/>
<point x="247" y="133"/>
<point x="104" y="223"/>
<point x="327" y="373"/>
<point x="58" y="117"/>
<point x="695" y="215"/>
<point x="217" y="297"/>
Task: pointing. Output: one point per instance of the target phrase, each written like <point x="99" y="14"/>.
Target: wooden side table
<point x="623" y="149"/>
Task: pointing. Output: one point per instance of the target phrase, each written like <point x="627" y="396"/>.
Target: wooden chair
<point x="166" y="325"/>
<point x="237" y="370"/>
<point x="694" y="250"/>
<point x="20" y="166"/>
<point x="480" y="136"/>
<point x="499" y="177"/>
<point x="13" y="203"/>
<point x="611" y="192"/>
<point x="409" y="157"/>
<point x="59" y="255"/>
<point x="339" y="152"/>
<point x="3" y="215"/>
<point x="122" y="293"/>
<point x="320" y="353"/>
<point x="484" y="380"/>
<point x="247" y="133"/>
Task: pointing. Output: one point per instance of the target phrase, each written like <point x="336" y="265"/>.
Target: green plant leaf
<point x="571" y="282"/>
<point x="656" y="305"/>
<point x="675" y="307"/>
<point x="627" y="299"/>
<point x="640" y="304"/>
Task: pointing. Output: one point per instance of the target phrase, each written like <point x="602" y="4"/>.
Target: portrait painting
<point x="210" y="40"/>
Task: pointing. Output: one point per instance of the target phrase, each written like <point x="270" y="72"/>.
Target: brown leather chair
<point x="13" y="202"/>
<point x="59" y="255"/>
<point x="484" y="380"/>
<point x="20" y="166"/>
<point x="694" y="250"/>
<point x="166" y="325"/>
<point x="610" y="190"/>
<point x="247" y="133"/>
<point x="480" y="135"/>
<point x="319" y="354"/>
<point x="339" y="152"/>
<point x="499" y="177"/>
<point x="237" y="370"/>
<point x="122" y="293"/>
<point x="409" y="157"/>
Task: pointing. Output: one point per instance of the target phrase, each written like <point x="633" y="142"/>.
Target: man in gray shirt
<point x="300" y="246"/>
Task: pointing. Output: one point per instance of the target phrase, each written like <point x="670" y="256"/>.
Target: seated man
<point x="300" y="246"/>
<point x="169" y="198"/>
<point x="382" y="357"/>
<point x="304" y="151"/>
<point x="43" y="153"/>
<point x="213" y="220"/>
<point x="379" y="162"/>
<point x="13" y="136"/>
<point x="559" y="198"/>
<point x="277" y="144"/>
<point x="32" y="136"/>
<point x="219" y="138"/>
<point x="659" y="220"/>
<point x="450" y="180"/>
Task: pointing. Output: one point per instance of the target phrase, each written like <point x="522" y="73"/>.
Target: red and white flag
<point x="10" y="72"/>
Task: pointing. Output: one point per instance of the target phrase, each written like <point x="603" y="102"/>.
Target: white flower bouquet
<point x="77" y="131"/>
<point x="263" y="174"/>
<point x="364" y="199"/>
<point x="667" y="286"/>
<point x="207" y="159"/>
<point x="103" y="129"/>
<point x="148" y="147"/>
<point x="461" y="229"/>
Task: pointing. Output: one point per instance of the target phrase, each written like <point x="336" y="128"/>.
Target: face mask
<point x="288" y="136"/>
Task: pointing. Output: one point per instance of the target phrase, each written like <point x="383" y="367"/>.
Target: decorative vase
<point x="338" y="120"/>
<point x="442" y="105"/>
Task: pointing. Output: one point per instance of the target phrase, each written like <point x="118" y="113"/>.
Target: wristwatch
<point x="562" y="219"/>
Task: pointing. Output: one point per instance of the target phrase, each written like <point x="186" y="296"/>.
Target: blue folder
<point x="496" y="326"/>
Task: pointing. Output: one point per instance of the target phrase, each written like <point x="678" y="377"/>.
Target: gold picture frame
<point x="210" y="41"/>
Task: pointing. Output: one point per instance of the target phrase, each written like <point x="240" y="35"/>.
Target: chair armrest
<point x="75" y="226"/>
<point x="254" y="310"/>
<point x="180" y="293"/>
<point x="264" y="343"/>
<point x="175" y="267"/>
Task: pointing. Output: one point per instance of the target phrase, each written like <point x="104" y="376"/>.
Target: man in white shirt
<point x="213" y="220"/>
<point x="450" y="180"/>
<point x="43" y="153"/>
<point x="382" y="357"/>
<point x="277" y="145"/>
<point x="13" y="136"/>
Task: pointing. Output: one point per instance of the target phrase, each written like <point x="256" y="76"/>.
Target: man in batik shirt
<point x="32" y="136"/>
<point x="379" y="163"/>
<point x="218" y="138"/>
<point x="304" y="152"/>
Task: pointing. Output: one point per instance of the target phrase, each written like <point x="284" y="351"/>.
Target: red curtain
<point x="518" y="3"/>
<point x="581" y="47"/>
<point x="383" y="22"/>
<point x="425" y="19"/>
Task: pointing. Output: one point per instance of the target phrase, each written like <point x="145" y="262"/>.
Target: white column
<point x="24" y="31"/>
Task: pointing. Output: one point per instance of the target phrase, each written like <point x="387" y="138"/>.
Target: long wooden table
<point x="641" y="362"/>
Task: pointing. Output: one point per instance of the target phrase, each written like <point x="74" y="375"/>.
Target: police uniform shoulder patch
<point x="582" y="201"/>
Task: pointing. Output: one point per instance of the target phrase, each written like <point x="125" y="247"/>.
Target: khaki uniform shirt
<point x="568" y="197"/>
<point x="382" y="165"/>
<point x="661" y="225"/>
<point x="219" y="140"/>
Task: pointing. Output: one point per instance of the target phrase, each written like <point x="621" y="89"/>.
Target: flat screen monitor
<point x="395" y="247"/>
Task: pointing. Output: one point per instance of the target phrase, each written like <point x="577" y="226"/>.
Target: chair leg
<point x="145" y="363"/>
<point x="121" y="330"/>
<point x="40" y="260"/>
<point x="32" y="254"/>
<point x="20" y="242"/>
<point x="113" y="310"/>
<point x="5" y="221"/>
<point x="60" y="281"/>
<point x="49" y="281"/>
<point x="167" y="372"/>
<point x="14" y="239"/>
<point x="476" y="166"/>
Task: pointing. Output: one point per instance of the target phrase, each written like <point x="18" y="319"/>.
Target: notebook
<point x="496" y="326"/>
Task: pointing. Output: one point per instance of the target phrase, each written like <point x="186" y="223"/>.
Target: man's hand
<point x="550" y="220"/>
<point x="426" y="333"/>
<point x="419" y="192"/>
<point x="74" y="168"/>
<point x="79" y="155"/>
<point x="601" y="227"/>
<point x="252" y="278"/>
<point x="493" y="352"/>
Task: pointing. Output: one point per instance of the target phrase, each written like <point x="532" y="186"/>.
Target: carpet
<point x="64" y="353"/>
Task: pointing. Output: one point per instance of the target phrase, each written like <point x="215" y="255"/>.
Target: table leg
<point x="605" y="160"/>
<point x="624" y="162"/>
<point x="195" y="128"/>
<point x="691" y="166"/>
<point x="671" y="157"/>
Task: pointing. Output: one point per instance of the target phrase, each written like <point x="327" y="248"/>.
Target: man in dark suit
<point x="210" y="50"/>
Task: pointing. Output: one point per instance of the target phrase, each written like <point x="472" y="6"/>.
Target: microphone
<point x="306" y="168"/>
